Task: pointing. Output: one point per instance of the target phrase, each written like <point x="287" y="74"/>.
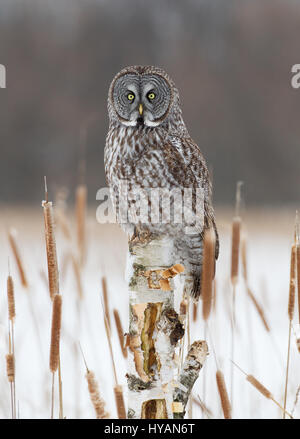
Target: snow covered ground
<point x="263" y="354"/>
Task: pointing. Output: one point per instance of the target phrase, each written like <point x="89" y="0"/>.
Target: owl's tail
<point x="192" y="258"/>
<point x="196" y="286"/>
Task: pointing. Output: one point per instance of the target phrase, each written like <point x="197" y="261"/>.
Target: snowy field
<point x="258" y="352"/>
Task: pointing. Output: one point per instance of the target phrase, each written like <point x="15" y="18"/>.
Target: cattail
<point x="226" y="407"/>
<point x="120" y="402"/>
<point x="262" y="389"/>
<point x="203" y="407"/>
<point x="244" y="259"/>
<point x="208" y="271"/>
<point x="62" y="221"/>
<point x="10" y="367"/>
<point x="105" y="300"/>
<point x="77" y="274"/>
<point x="259" y="309"/>
<point x="120" y="332"/>
<point x="235" y="240"/>
<point x="16" y="253"/>
<point x="11" y="298"/>
<point x="81" y="200"/>
<point x="235" y="246"/>
<point x="298" y="344"/>
<point x="183" y="307"/>
<point x="55" y="332"/>
<point x="291" y="305"/>
<point x="97" y="401"/>
<point x="259" y="386"/>
<point x="298" y="277"/>
<point x="195" y="309"/>
<point x="50" y="247"/>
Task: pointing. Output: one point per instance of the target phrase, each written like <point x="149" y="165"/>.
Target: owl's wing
<point x="186" y="164"/>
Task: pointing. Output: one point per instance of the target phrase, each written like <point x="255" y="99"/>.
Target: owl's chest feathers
<point x="133" y="153"/>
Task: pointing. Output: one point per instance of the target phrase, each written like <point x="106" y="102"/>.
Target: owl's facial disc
<point x="141" y="99"/>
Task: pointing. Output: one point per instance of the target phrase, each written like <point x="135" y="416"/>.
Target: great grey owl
<point x="148" y="146"/>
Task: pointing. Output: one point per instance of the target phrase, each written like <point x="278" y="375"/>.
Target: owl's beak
<point x="141" y="109"/>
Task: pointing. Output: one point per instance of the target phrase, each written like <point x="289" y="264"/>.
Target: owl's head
<point x="141" y="95"/>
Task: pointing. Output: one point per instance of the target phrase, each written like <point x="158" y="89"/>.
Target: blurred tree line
<point x="230" y="59"/>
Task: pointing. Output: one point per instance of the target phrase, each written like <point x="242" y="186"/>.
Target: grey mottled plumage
<point x="148" y="145"/>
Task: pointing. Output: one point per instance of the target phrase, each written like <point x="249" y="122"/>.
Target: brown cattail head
<point x="183" y="307"/>
<point x="195" y="310"/>
<point x="298" y="277"/>
<point x="120" y="332"/>
<point x="97" y="401"/>
<point x="291" y="305"/>
<point x="259" y="386"/>
<point x="298" y="344"/>
<point x="235" y="249"/>
<point x="51" y="249"/>
<point x="55" y="332"/>
<point x="226" y="407"/>
<point x="77" y="273"/>
<point x="81" y="200"/>
<point x="105" y="300"/>
<point x="244" y="258"/>
<point x="259" y="309"/>
<point x="208" y="271"/>
<point x="120" y="402"/>
<point x="11" y="298"/>
<point x="15" y="250"/>
<point x="10" y="367"/>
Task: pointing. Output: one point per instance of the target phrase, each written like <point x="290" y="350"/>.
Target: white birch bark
<point x="154" y="331"/>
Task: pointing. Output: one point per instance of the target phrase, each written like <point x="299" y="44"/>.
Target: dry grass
<point x="226" y="407"/>
<point x="208" y="272"/>
<point x="105" y="259"/>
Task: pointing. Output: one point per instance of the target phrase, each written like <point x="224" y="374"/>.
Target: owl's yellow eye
<point x="130" y="97"/>
<point x="151" y="96"/>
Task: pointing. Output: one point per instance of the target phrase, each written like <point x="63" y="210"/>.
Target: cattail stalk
<point x="50" y="246"/>
<point x="55" y="345"/>
<point x="16" y="253"/>
<point x="208" y="271"/>
<point x="226" y="407"/>
<point x="235" y="255"/>
<point x="81" y="201"/>
<point x="77" y="273"/>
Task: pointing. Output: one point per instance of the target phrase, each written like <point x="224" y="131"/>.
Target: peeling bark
<point x="154" y="331"/>
<point x="188" y="375"/>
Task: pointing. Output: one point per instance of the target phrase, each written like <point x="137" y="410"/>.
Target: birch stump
<point x="154" y="331"/>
